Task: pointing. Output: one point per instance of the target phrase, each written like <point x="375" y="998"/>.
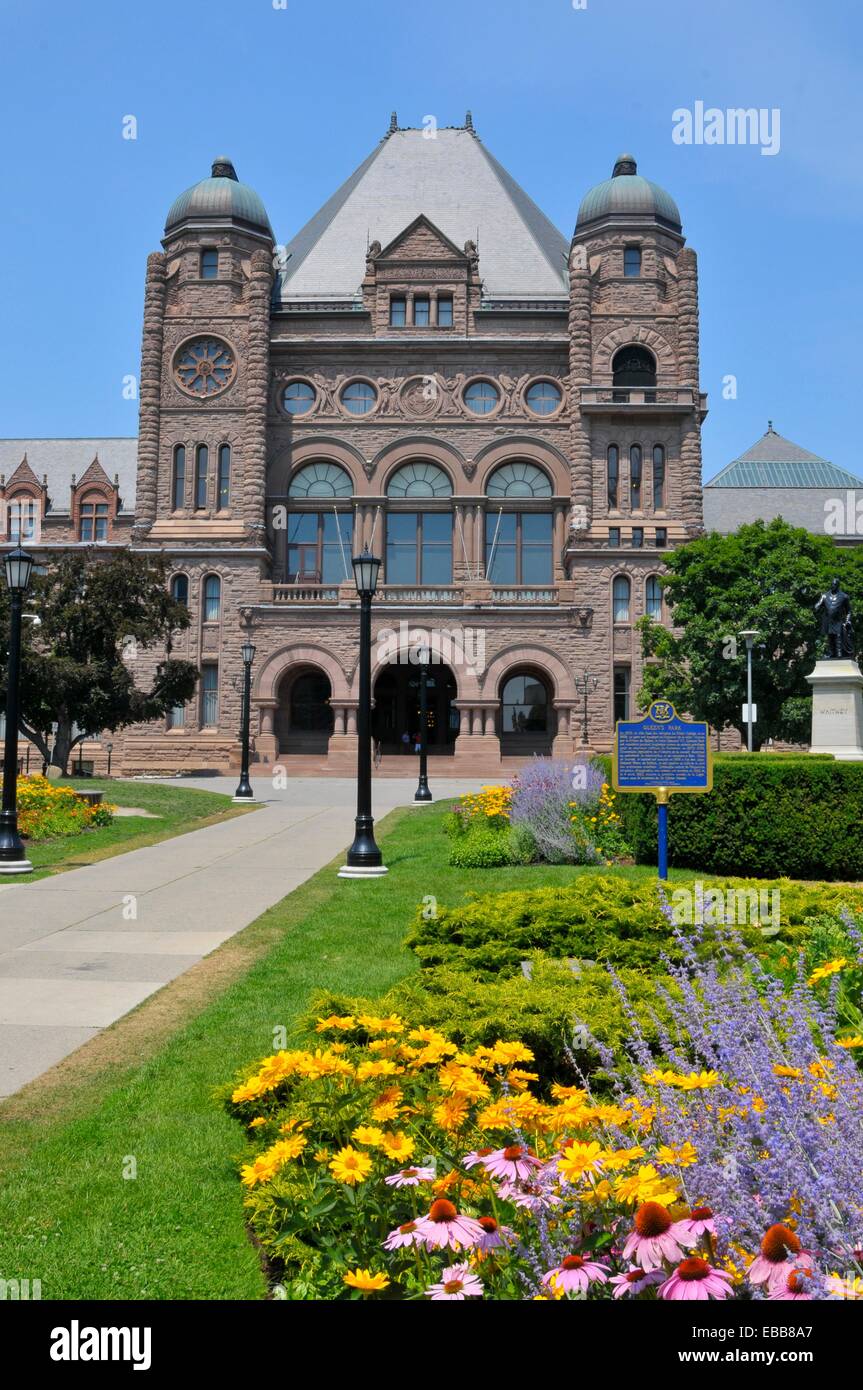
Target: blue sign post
<point x="662" y="753"/>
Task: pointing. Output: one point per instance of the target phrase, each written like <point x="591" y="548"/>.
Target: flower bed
<point x="552" y="813"/>
<point x="46" y="810"/>
<point x="388" y="1160"/>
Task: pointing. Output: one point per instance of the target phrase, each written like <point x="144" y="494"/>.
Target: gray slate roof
<point x="60" y="458"/>
<point x="460" y="187"/>
<point x="777" y="462"/>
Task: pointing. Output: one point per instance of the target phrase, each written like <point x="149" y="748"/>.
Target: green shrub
<point x="481" y="847"/>
<point x="767" y="816"/>
<point x="597" y="917"/>
<point x="552" y="1010"/>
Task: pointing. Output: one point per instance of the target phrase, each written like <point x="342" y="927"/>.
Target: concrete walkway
<point x="80" y="949"/>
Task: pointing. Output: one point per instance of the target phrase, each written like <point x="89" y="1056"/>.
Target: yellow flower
<point x="344" y="1023"/>
<point x="682" y="1156"/>
<point x="322" y="1156"/>
<point x="367" y="1070"/>
<point x="386" y="1107"/>
<point x="579" y="1159"/>
<point x="794" y="1072"/>
<point x="620" y="1158"/>
<point x="397" y="1146"/>
<point x="350" y="1166"/>
<point x="855" y="1041"/>
<point x="267" y="1164"/>
<point x="368" y="1134"/>
<point x="505" y="1053"/>
<point x="830" y="967"/>
<point x="646" y="1186"/>
<point x="384" y="1047"/>
<point x="365" y="1281"/>
<point x="427" y="1035"/>
<point x="257" y="1122"/>
<point x="391" y="1024"/>
<point x="451" y="1113"/>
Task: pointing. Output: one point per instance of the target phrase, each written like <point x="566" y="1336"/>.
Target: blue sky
<point x="298" y="96"/>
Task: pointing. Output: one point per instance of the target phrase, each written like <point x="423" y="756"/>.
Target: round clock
<point x="204" y="367"/>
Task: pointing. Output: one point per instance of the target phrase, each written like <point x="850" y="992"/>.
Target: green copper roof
<point x="221" y="195"/>
<point x="627" y="194"/>
<point x="777" y="462"/>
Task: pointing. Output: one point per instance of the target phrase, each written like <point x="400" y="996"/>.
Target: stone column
<point x="580" y="373"/>
<point x="687" y="367"/>
<point x="563" y="745"/>
<point x="559" y="571"/>
<point x="266" y="743"/>
<point x="150" y="394"/>
<point x="257" y="382"/>
<point x="342" y="747"/>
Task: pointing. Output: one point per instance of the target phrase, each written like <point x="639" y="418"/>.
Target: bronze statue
<point x="835" y="609"/>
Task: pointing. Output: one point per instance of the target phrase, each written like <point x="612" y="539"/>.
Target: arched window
<point x="93" y="524"/>
<point x="202" y="464"/>
<point x="212" y="598"/>
<point x="419" y="480"/>
<point x="180" y="589"/>
<point x="178" y="483"/>
<point x="634" y="366"/>
<point x="524" y="705"/>
<point x="620" y="592"/>
<point x="518" y="480"/>
<point x="22" y="511"/>
<point x="635" y="477"/>
<point x="653" y="598"/>
<point x="613" y="474"/>
<point x="321" y="480"/>
<point x="224" y="476"/>
<point x="658" y="478"/>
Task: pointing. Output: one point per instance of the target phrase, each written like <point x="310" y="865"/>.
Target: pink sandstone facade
<point x="510" y="420"/>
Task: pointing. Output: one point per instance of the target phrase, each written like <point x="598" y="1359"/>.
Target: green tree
<point x="97" y="614"/>
<point x="764" y="576"/>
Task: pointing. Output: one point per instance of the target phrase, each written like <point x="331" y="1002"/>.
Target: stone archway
<point x="303" y="719"/>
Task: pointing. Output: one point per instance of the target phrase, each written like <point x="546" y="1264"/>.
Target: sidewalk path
<point x="80" y="949"/>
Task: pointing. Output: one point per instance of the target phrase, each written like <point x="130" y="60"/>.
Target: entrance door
<point x="304" y="720"/>
<point x="397" y="709"/>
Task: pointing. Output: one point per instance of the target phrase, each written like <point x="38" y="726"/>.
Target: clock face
<point x="205" y="367"/>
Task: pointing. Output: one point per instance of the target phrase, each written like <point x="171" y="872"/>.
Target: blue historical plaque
<point x="662" y="753"/>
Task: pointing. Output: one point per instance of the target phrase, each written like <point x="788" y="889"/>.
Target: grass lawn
<point x="179" y="809"/>
<point x="144" y="1086"/>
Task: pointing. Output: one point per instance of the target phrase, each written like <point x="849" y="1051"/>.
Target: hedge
<point x="768" y="816"/>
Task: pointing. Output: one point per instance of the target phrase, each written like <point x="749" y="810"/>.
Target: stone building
<point x="509" y="419"/>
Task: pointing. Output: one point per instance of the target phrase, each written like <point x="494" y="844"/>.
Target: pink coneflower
<point x="443" y="1226"/>
<point x="794" y="1286"/>
<point x="694" y="1278"/>
<point x="655" y="1238"/>
<point x="529" y="1195"/>
<point x="698" y="1223"/>
<point x="474" y="1157"/>
<point x="634" y="1280"/>
<point x="457" y="1282"/>
<point x="772" y="1266"/>
<point x="410" y="1177"/>
<point x="576" y="1273"/>
<point x="494" y="1235"/>
<point x="513" y="1164"/>
<point x="402" y="1235"/>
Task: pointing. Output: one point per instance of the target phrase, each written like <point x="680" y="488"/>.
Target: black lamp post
<point x="422" y="792"/>
<point x="585" y="685"/>
<point x="110" y="748"/>
<point x="13" y="857"/>
<point x="364" y="857"/>
<point x="244" y="787"/>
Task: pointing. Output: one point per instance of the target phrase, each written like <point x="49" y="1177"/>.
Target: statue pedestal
<point x="837" y="709"/>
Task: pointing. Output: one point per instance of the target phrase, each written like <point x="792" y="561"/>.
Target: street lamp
<point x="585" y="685"/>
<point x="244" y="787"/>
<point x="750" y="635"/>
<point x="422" y="792"/>
<point x="110" y="748"/>
<point x="13" y="858"/>
<point x="364" y="857"/>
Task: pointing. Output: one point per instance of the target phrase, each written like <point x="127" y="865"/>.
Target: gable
<point x="421" y="241"/>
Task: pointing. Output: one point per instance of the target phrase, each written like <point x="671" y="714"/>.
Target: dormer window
<point x="444" y="311"/>
<point x="422" y="311"/>
<point x="209" y="263"/>
<point x="94" y="520"/>
<point x="398" y="311"/>
<point x="632" y="262"/>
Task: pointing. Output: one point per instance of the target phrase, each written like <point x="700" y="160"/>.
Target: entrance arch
<point x="396" y="708"/>
<point x="304" y="716"/>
